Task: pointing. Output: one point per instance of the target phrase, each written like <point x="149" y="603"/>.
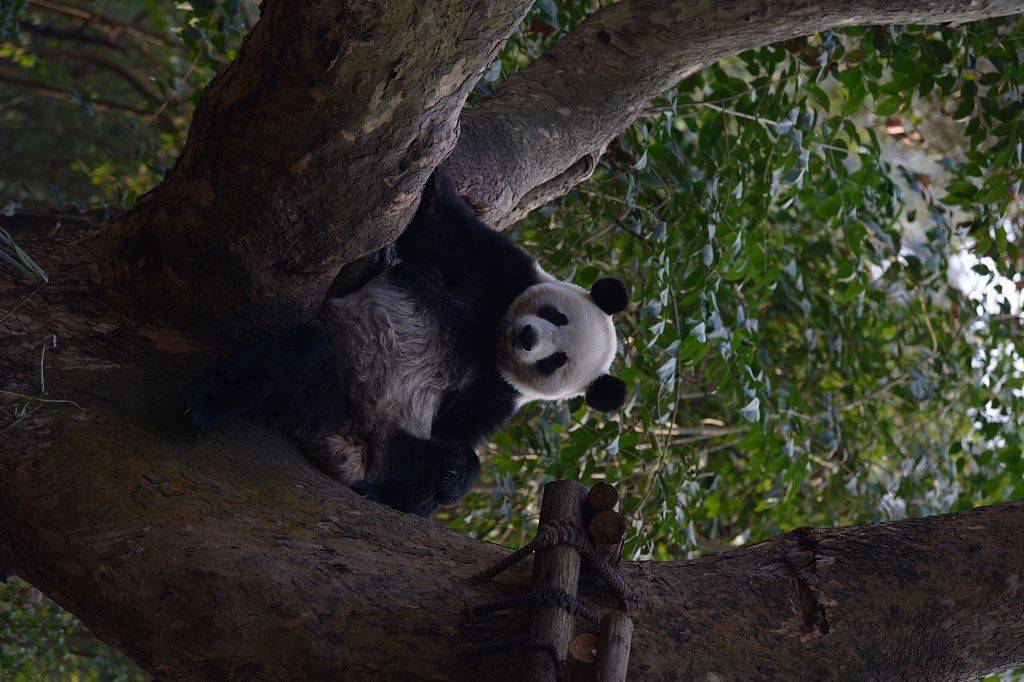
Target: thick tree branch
<point x="227" y="556"/>
<point x="307" y="152"/>
<point x="544" y="130"/>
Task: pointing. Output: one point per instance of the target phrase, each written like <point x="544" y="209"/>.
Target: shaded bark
<point x="546" y="128"/>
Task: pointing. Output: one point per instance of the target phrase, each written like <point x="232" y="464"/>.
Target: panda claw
<point x="202" y="405"/>
<point x="460" y="472"/>
<point x="366" y="491"/>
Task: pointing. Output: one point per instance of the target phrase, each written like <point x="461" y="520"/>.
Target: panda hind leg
<point x="290" y="378"/>
<point x="341" y="457"/>
<point x="226" y="389"/>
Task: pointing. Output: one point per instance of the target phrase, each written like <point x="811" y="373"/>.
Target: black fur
<point x="467" y="276"/>
<point x="290" y="380"/>
<point x="606" y="393"/>
<point x="610" y="295"/>
<point x="422" y="474"/>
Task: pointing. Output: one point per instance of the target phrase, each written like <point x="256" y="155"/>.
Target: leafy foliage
<point x="823" y="240"/>
<point x="107" y="90"/>
<point x="41" y="641"/>
<point x="805" y="347"/>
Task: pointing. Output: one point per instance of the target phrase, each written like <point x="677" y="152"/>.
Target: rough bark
<point x="616" y="640"/>
<point x="306" y="152"/>
<point x="544" y="131"/>
<point x="228" y="556"/>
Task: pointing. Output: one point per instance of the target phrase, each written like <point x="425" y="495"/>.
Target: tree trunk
<point x="308" y="151"/>
<point x="227" y="555"/>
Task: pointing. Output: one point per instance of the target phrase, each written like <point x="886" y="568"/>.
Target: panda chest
<point x="396" y="358"/>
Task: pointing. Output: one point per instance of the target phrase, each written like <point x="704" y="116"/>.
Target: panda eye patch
<point x="552" y="315"/>
<point x="548" y="365"/>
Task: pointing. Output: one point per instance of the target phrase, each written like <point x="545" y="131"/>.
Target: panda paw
<point x="366" y="490"/>
<point x="460" y="469"/>
<point x="203" y="403"/>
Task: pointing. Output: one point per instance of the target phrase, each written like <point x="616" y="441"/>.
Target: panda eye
<point x="552" y="315"/>
<point x="548" y="365"/>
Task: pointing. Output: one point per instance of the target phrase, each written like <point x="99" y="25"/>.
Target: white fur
<point x="343" y="457"/>
<point x="396" y="354"/>
<point x="588" y="340"/>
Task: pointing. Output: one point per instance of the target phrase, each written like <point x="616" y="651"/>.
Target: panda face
<point x="554" y="341"/>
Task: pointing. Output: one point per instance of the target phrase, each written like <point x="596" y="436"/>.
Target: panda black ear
<point x="606" y="393"/>
<point x="610" y="295"/>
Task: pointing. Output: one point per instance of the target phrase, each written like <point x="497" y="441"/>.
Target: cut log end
<point x="602" y="497"/>
<point x="607" y="527"/>
<point x="579" y="661"/>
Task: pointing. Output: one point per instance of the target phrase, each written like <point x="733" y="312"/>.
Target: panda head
<point x="557" y="341"/>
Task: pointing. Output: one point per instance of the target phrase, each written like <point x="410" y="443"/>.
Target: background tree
<point x="823" y="234"/>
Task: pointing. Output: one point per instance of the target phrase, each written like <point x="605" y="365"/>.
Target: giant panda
<point x="391" y="388"/>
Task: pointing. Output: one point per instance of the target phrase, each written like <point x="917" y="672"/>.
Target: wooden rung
<point x="552" y="627"/>
<point x="613" y="647"/>
<point x="579" y="662"/>
<point x="602" y="497"/>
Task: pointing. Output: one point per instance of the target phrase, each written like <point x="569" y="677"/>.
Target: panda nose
<point x="527" y="337"/>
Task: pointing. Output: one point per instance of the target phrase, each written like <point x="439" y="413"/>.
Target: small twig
<point x="23" y="396"/>
<point x="768" y="121"/>
<point x="698" y="438"/>
<point x="26" y="413"/>
<point x="62" y="95"/>
<point x="697" y="396"/>
<point x="723" y="446"/>
<point x="42" y="363"/>
<point x="112" y="26"/>
<point x="170" y="96"/>
<point x="927" y="322"/>
<point x="22" y="302"/>
<point x="617" y="200"/>
<point x="704" y="431"/>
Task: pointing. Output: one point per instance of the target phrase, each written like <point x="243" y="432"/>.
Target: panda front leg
<point x="459" y="471"/>
<point x="416" y="475"/>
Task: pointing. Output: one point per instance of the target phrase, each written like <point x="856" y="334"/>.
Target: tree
<point x="228" y="556"/>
